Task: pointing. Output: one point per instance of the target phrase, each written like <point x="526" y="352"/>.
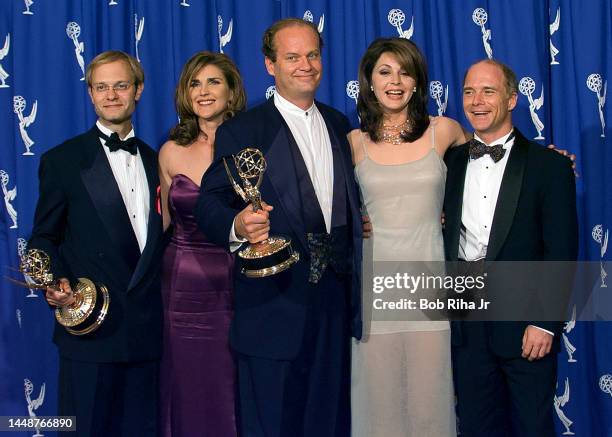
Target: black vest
<point x="341" y="238"/>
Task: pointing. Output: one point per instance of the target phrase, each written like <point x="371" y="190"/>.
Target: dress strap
<point x="363" y="144"/>
<point x="432" y="124"/>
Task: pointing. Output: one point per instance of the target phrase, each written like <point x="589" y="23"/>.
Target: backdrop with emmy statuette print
<point x="561" y="51"/>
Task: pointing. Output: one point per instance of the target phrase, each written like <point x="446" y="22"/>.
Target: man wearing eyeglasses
<point x="96" y="218"/>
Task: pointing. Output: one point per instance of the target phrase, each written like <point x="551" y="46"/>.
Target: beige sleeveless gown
<point x="401" y="383"/>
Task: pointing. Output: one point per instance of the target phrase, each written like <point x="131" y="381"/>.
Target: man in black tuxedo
<point x="96" y="218"/>
<point x="291" y="331"/>
<point x="506" y="200"/>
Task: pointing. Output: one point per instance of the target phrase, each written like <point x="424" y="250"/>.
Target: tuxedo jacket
<point x="535" y="219"/>
<point x="82" y="223"/>
<point x="270" y="312"/>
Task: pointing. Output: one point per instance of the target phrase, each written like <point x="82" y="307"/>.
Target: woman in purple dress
<point x="197" y="379"/>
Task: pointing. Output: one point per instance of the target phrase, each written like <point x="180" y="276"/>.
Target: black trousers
<point x="109" y="399"/>
<point x="501" y="396"/>
<point x="310" y="395"/>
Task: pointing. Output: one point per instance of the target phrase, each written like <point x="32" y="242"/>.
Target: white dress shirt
<point x="483" y="178"/>
<point x="310" y="133"/>
<point x="132" y="181"/>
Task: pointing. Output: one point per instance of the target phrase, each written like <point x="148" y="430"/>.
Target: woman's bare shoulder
<point x="356" y="138"/>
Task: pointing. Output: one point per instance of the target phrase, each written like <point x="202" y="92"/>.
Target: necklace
<point x="392" y="133"/>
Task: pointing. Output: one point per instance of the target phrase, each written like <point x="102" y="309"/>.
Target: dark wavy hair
<point x="188" y="129"/>
<point x="412" y="61"/>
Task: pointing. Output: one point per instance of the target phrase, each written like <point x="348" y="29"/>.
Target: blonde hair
<point x="113" y="56"/>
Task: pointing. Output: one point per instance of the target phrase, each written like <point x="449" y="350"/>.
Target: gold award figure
<point x="274" y="254"/>
<point x="90" y="305"/>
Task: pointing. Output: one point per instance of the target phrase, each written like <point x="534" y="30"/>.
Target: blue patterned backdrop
<point x="561" y="51"/>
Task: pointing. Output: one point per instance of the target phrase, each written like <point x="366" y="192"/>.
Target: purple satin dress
<point x="198" y="378"/>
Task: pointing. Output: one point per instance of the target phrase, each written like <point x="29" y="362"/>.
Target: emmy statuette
<point x="274" y="254"/>
<point x="90" y="307"/>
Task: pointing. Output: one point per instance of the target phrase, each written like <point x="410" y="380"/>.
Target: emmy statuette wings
<point x="274" y="254"/>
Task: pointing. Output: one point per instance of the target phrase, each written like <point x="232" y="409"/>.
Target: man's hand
<point x="564" y="152"/>
<point x="536" y="343"/>
<point x="62" y="296"/>
<point x="254" y="226"/>
<point x="367" y="226"/>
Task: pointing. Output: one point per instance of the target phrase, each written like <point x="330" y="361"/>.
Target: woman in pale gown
<point x="198" y="375"/>
<point x="401" y="370"/>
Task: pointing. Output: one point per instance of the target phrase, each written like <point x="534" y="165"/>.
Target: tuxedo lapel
<point x="154" y="224"/>
<point x="345" y="163"/>
<point x="100" y="183"/>
<point x="454" y="202"/>
<point x="508" y="197"/>
<point x="281" y="172"/>
<point x="149" y="162"/>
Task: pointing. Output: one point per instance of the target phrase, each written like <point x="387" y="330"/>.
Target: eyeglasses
<point x="118" y="87"/>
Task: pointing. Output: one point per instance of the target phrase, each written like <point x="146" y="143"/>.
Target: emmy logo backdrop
<point x="561" y="51"/>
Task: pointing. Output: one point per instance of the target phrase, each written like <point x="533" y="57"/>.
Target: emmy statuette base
<point x="268" y="257"/>
<point x="88" y="311"/>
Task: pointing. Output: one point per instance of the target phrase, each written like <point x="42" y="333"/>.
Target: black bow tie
<point x="114" y="143"/>
<point x="478" y="149"/>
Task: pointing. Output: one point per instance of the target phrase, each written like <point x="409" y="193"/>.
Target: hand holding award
<point x="89" y="307"/>
<point x="274" y="254"/>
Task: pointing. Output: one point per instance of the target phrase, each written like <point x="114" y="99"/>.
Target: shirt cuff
<point x="234" y="241"/>
<point x="545" y="330"/>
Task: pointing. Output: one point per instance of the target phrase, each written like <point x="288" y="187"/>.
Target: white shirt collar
<point x="286" y="106"/>
<point x="500" y="140"/>
<point x="106" y="131"/>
